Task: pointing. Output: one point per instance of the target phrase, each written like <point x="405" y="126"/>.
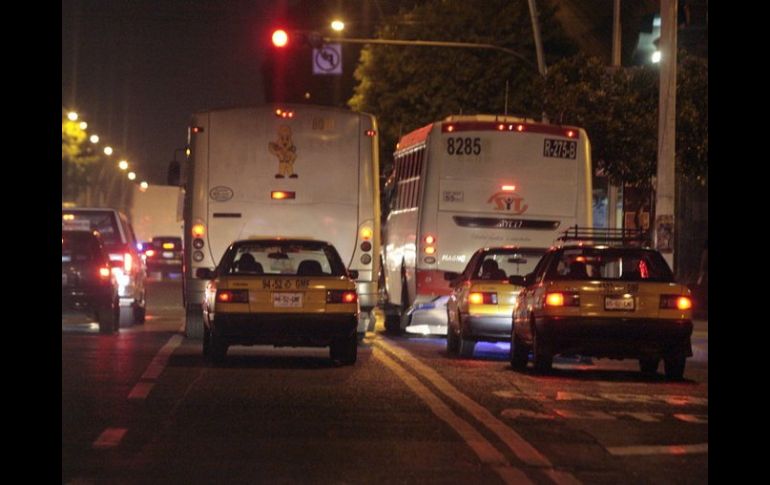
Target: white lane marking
<point x="693" y="418"/>
<point x="658" y="450"/>
<point x="483" y="448"/>
<point x="670" y="399"/>
<point x="109" y="438"/>
<point x="141" y="390"/>
<point x="562" y="478"/>
<point x="518" y="445"/>
<point x="159" y="362"/>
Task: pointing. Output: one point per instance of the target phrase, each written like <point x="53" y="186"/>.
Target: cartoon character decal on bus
<point x="285" y="151"/>
<point x="508" y="201"/>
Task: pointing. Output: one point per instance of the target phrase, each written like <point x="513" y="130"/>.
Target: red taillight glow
<point x="482" y="298"/>
<point x="281" y="113"/>
<point x="570" y="134"/>
<point x="370" y="132"/>
<point x="198" y="230"/>
<point x="341" y="296"/>
<point x="509" y="188"/>
<point x="233" y="296"/>
<point x="128" y="262"/>
<point x="675" y="302"/>
<point x="450" y="128"/>
<point x="500" y="127"/>
<point x="562" y="298"/>
<point x="280" y="38"/>
<point x="104" y="272"/>
<point x="430" y="239"/>
<point x="150" y="253"/>
<point x="519" y="127"/>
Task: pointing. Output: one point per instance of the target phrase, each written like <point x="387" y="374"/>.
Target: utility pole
<point x="665" y="180"/>
<point x="538" y="42"/>
<point x="612" y="189"/>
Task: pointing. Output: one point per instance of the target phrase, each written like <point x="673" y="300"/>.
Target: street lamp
<point x="108" y="150"/>
<point x="72" y="116"/>
<point x="123" y="165"/>
<point x="94" y="139"/>
<point x="131" y="176"/>
<point x="338" y="25"/>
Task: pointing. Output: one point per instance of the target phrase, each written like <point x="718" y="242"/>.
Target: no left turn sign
<point x="327" y="59"/>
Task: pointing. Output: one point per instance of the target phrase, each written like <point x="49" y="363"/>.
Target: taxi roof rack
<point x="602" y="235"/>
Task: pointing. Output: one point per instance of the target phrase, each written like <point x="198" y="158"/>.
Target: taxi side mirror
<point x="353" y="273"/>
<point x="451" y="275"/>
<point x="204" y="273"/>
<point x="518" y="280"/>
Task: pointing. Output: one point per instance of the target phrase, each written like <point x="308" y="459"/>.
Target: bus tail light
<point x="198" y="230"/>
<point x="282" y="194"/>
<point x="675" y="302"/>
<point x="430" y="244"/>
<point x="482" y="298"/>
<point x="233" y="296"/>
<point x="341" y="296"/>
<point x="562" y="298"/>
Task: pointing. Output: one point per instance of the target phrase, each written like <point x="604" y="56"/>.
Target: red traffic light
<point x="280" y="38"/>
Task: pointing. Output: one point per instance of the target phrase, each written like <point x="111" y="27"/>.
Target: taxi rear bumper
<point x="615" y="337"/>
<point x="486" y="327"/>
<point x="280" y="329"/>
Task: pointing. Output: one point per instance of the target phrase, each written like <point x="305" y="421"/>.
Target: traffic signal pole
<point x="665" y="190"/>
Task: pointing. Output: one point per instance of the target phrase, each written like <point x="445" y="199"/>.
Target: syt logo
<point x="508" y="201"/>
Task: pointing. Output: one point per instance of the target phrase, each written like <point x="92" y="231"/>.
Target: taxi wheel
<point x="140" y="314"/>
<point x="466" y="347"/>
<point x="217" y="348"/>
<point x="519" y="355"/>
<point x="674" y="367"/>
<point x="649" y="366"/>
<point x="345" y="350"/>
<point x="541" y="357"/>
<point x="206" y="342"/>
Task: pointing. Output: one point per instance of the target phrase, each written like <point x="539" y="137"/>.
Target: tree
<point x="77" y="158"/>
<point x="408" y="87"/>
<point x="618" y="107"/>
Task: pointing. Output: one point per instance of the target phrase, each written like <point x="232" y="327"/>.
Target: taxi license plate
<point x="287" y="300"/>
<point x="618" y="303"/>
<point x="168" y="254"/>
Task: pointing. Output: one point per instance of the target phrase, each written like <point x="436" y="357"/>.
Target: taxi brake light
<point x="168" y="245"/>
<point x="150" y="253"/>
<point x="104" y="272"/>
<point x="233" y="296"/>
<point x="563" y="298"/>
<point x="675" y="302"/>
<point x="482" y="298"/>
<point x="341" y="296"/>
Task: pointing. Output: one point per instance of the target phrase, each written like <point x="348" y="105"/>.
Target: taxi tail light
<point x="105" y="272"/>
<point x="233" y="296"/>
<point x="675" y="302"/>
<point x="150" y="253"/>
<point x="562" y="298"/>
<point x="482" y="298"/>
<point x="341" y="296"/>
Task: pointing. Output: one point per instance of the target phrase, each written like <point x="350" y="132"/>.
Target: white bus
<point x="468" y="182"/>
<point x="280" y="170"/>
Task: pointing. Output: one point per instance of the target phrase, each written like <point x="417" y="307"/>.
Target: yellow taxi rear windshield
<point x="612" y="264"/>
<point x="282" y="259"/>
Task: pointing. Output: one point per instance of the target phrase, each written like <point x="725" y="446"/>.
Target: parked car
<point x="603" y="296"/>
<point x="483" y="295"/>
<point x="163" y="254"/>
<point x="87" y="281"/>
<point x="281" y="292"/>
<point x="120" y="242"/>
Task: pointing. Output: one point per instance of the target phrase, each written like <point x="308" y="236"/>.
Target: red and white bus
<point x="475" y="181"/>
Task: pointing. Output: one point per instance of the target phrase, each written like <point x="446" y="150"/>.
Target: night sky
<point x="136" y="70"/>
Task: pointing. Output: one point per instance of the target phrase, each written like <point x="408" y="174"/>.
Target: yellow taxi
<point x="480" y="305"/>
<point x="281" y="292"/>
<point x="601" y="294"/>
